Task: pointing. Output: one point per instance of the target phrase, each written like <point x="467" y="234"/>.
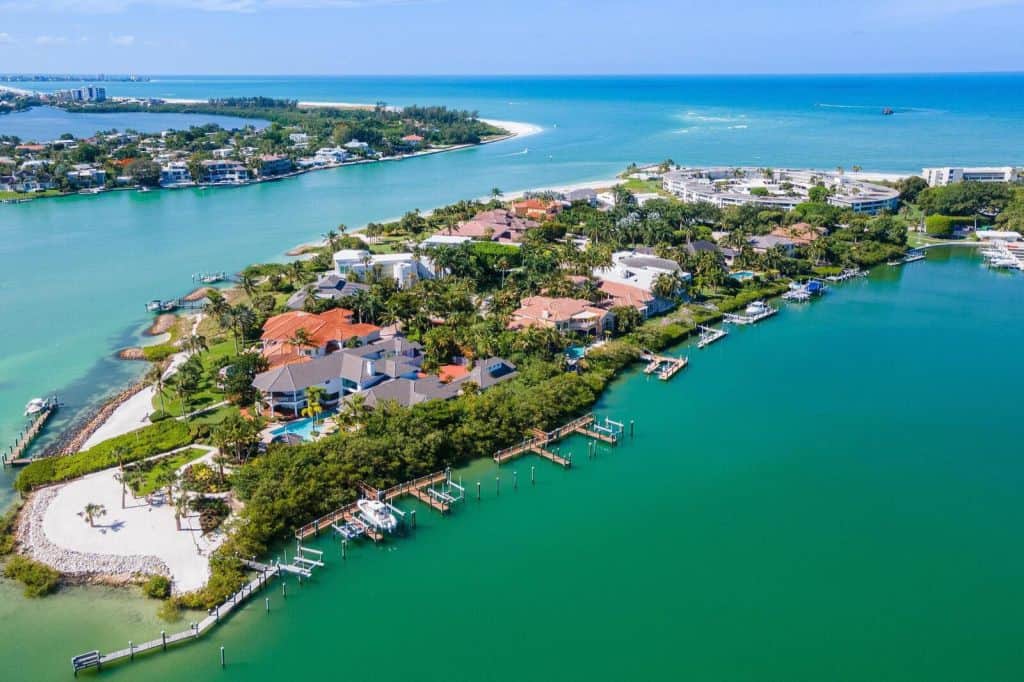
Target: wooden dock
<point x="417" y="487"/>
<point x="16" y="454"/>
<point x="708" y="335"/>
<point x="95" y="659"/>
<point x="538" y="442"/>
<point x="666" y="366"/>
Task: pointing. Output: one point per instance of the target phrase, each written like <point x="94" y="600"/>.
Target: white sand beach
<point x="517" y="128"/>
<point x="140" y="538"/>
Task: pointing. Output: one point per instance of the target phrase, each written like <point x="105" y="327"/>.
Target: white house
<point x="175" y="174"/>
<point x="632" y="276"/>
<point x="404" y="268"/>
<point x="357" y="146"/>
<point x="328" y="155"/>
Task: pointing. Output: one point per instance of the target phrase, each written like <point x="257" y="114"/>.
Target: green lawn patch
<point x="153" y="469"/>
<point x="131" y="447"/>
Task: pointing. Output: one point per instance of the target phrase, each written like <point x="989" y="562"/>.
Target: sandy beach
<point x="139" y="539"/>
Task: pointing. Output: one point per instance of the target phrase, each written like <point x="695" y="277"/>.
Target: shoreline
<point x="514" y="128"/>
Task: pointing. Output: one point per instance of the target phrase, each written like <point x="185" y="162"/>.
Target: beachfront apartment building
<point x="404" y="268"/>
<point x="175" y="174"/>
<point x="781" y="189"/>
<point x="224" y="172"/>
<point x="937" y="177"/>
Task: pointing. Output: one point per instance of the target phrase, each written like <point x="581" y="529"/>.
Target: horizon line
<point x="681" y="74"/>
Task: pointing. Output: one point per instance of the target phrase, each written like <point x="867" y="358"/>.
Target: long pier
<point x="95" y="659"/>
<point x="15" y="456"/>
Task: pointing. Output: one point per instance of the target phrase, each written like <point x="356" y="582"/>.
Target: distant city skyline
<point x="543" y="37"/>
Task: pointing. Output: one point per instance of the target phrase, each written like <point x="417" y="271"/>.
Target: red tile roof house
<point x="497" y="225"/>
<point x="413" y="140"/>
<point x="625" y="295"/>
<point x="328" y="332"/>
<point x="564" y="314"/>
<point x="801" y="233"/>
<point x="538" y="209"/>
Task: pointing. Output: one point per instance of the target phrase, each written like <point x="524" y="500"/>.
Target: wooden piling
<point x="533" y="475"/>
<point x="222" y="657"/>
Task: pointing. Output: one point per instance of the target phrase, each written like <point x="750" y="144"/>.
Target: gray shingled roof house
<point x="329" y="286"/>
<point x="405" y="392"/>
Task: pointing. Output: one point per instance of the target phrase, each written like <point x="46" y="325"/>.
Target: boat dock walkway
<point x="15" y="455"/>
<point x="749" y="319"/>
<point x="587" y="425"/>
<point x="708" y="335"/>
<point x="345" y="519"/>
<point x="94" y="659"/>
<point x="666" y="366"/>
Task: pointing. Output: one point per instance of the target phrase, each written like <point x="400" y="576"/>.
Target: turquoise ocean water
<point x="76" y="271"/>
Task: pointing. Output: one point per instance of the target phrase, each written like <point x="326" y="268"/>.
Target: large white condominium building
<point x="949" y="175"/>
<point x="782" y="188"/>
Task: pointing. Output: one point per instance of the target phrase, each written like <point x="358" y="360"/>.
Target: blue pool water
<point x="742" y="275"/>
<point x="575" y="352"/>
<point x="302" y="427"/>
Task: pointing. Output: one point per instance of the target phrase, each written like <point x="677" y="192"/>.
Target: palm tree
<point x="342" y="229"/>
<point x="331" y="238"/>
<point x="301" y="339"/>
<point x="92" y="512"/>
<point x="155" y="378"/>
<point x="167" y="478"/>
<point x="180" y="509"/>
<point x="248" y="285"/>
<point x="220" y="459"/>
<point x="314" y="405"/>
<point x="296" y="272"/>
<point x="354" y="411"/>
<point x="497" y="193"/>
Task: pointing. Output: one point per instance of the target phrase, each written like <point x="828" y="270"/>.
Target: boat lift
<point x="448" y="491"/>
<point x="314" y="558"/>
<point x="608" y="427"/>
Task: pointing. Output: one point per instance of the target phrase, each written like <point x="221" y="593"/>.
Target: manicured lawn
<point x="30" y="195"/>
<point x="208" y="393"/>
<point x="172" y="463"/>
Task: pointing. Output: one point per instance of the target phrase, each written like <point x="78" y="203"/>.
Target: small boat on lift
<point x="153" y="306"/>
<point x="758" y="308"/>
<point x="378" y="515"/>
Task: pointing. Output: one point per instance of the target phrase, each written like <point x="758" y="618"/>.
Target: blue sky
<point x="522" y="37"/>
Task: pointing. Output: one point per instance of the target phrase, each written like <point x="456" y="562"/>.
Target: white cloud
<point x="122" y="41"/>
<point x="48" y="41"/>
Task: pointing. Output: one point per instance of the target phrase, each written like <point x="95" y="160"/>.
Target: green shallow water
<point x="832" y="494"/>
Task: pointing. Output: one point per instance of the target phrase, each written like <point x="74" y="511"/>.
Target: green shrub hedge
<point x="38" y="578"/>
<point x="146" y="442"/>
<point x="942" y="225"/>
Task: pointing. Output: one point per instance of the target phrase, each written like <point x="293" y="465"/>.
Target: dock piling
<point x="222" y="657"/>
<point x="533" y="475"/>
<point x="284" y="589"/>
<point x="131" y="651"/>
<point x="497" y="485"/>
<point x="632" y="426"/>
<point x="163" y="639"/>
<point x="478" y="491"/>
<point x="344" y="549"/>
<point x="515" y="480"/>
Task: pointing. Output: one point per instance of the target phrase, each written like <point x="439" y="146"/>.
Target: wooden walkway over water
<point x="538" y="442"/>
<point x="417" y="488"/>
<point x="94" y="659"/>
<point x="15" y="455"/>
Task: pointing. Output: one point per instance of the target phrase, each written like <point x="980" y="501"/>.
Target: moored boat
<point x="378" y="514"/>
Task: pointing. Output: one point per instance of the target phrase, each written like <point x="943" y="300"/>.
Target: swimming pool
<point x="302" y="428"/>
<point x="742" y="275"/>
<point x="575" y="352"/>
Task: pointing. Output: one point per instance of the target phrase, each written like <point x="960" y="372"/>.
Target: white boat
<point x="378" y="514"/>
<point x="36" y="405"/>
<point x="758" y="308"/>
